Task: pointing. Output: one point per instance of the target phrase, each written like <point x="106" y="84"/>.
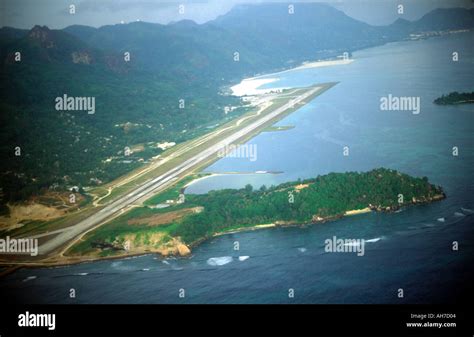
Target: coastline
<point x="201" y="178"/>
<point x="210" y="175"/>
<point x="244" y="229"/>
<point x="251" y="86"/>
<point x="72" y="260"/>
<point x="358" y="211"/>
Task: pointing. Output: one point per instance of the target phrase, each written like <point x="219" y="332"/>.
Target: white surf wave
<point x="302" y="249"/>
<point x="374" y="240"/>
<point x="467" y="210"/>
<point x="29" y="278"/>
<point x="459" y="214"/>
<point x="219" y="261"/>
<point x="441" y="219"/>
<point x="243" y="258"/>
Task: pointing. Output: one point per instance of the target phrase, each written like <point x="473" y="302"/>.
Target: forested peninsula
<point x="171" y="231"/>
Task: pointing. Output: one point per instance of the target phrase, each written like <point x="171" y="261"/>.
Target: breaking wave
<point x="374" y="240"/>
<point x="467" y="210"/>
<point x="219" y="261"/>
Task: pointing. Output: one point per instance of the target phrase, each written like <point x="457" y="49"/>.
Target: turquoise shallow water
<point x="410" y="249"/>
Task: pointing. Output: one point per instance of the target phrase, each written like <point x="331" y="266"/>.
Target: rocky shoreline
<point x="178" y="249"/>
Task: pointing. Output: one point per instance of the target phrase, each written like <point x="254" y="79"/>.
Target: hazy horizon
<point x="25" y="14"/>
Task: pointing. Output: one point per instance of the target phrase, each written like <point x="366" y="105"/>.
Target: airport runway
<point x="150" y="187"/>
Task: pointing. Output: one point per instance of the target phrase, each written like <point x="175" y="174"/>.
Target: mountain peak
<point x="184" y="23"/>
<point x="44" y="45"/>
<point x="400" y="22"/>
<point x="447" y="18"/>
<point x="41" y="33"/>
<point x="40" y="28"/>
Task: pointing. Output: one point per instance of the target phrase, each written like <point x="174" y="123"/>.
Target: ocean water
<point x="409" y="250"/>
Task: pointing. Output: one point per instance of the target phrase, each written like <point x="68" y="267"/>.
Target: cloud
<point x="123" y="5"/>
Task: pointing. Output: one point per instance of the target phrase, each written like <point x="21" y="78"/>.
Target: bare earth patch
<point x="48" y="206"/>
<point x="300" y="187"/>
<point x="164" y="218"/>
<point x="19" y="213"/>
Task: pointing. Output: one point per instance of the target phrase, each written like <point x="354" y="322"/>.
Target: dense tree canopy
<point x="326" y="196"/>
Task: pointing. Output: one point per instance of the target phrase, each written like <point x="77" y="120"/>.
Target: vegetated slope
<point x="133" y="107"/>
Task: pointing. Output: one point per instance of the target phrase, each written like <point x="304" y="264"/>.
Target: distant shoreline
<point x="306" y="65"/>
<point x="251" y="86"/>
<point x="455" y="98"/>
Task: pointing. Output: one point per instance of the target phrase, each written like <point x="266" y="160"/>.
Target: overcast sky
<point x="55" y="13"/>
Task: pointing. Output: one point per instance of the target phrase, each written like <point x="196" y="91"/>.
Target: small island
<point x="175" y="229"/>
<point x="455" y="98"/>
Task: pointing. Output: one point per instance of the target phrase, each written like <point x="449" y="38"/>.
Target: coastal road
<point x="150" y="187"/>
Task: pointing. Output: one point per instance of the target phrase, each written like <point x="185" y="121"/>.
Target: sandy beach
<point x="358" y="211"/>
<point x="245" y="229"/>
<point x="317" y="64"/>
<point x="201" y="178"/>
<point x="251" y="86"/>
